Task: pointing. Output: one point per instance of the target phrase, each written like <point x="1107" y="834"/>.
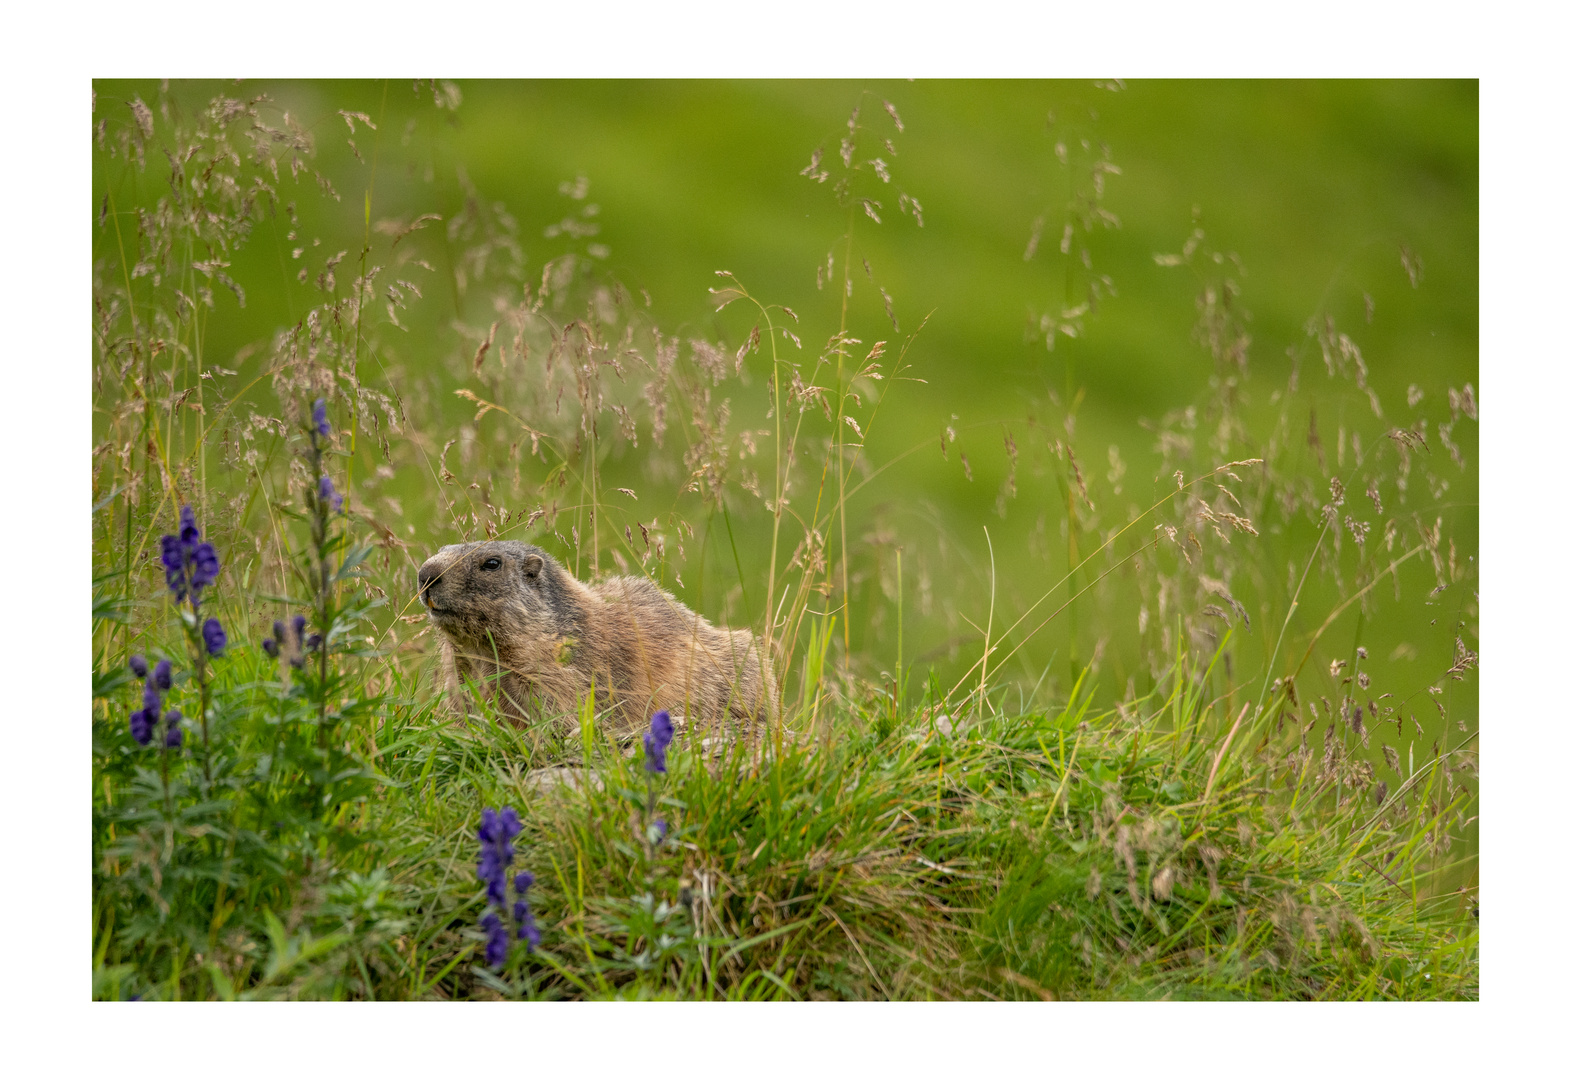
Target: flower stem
<point x="203" y="686"/>
<point x="649" y="822"/>
<point x="319" y="544"/>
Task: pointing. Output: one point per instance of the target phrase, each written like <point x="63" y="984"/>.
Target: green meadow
<point x="1096" y="462"/>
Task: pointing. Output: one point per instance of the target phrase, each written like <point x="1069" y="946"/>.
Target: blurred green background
<point x="1317" y="189"/>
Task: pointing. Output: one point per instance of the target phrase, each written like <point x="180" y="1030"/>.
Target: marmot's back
<point x="516" y="621"/>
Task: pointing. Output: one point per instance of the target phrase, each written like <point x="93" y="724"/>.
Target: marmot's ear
<point x="533" y="565"/>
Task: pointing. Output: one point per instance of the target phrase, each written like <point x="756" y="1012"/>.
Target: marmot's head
<point x="505" y="588"/>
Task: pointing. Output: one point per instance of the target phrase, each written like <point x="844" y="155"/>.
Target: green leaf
<point x="761" y="938"/>
<point x="222" y="986"/>
<point x="107" y="499"/>
<point x="105" y="683"/>
<point x="354" y="558"/>
<point x="108" y="608"/>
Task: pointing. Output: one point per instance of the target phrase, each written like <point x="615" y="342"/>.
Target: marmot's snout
<point x="431" y="574"/>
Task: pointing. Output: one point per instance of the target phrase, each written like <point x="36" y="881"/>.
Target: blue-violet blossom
<point x="496" y="851"/>
<point x="326" y="493"/>
<point x="190" y="563"/>
<point x="213" y="637"/>
<point x="495" y="940"/>
<point x="142" y="726"/>
<point x="528" y="932"/>
<point x="319" y="418"/>
<point x="145" y="719"/>
<point x="656" y="739"/>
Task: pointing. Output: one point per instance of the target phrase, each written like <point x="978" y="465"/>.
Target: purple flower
<point x="496" y="851"/>
<point x="496" y="939"/>
<point x="189" y="533"/>
<point x="145" y="719"/>
<point x="213" y="637"/>
<point x="527" y="931"/>
<point x="138" y="666"/>
<point x="661" y="829"/>
<point x="313" y="643"/>
<point x="298" y="623"/>
<point x="325" y="492"/>
<point x="172" y="727"/>
<point x="205" y="571"/>
<point x="152" y="702"/>
<point x="656" y="739"/>
<point x="173" y="558"/>
<point x="189" y="564"/>
<point x="278" y="631"/>
<point x="270" y="647"/>
<point x="319" y="418"/>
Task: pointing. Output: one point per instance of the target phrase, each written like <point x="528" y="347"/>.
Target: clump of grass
<point x="1247" y="816"/>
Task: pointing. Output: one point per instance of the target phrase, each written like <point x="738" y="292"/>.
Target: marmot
<point x="516" y="621"/>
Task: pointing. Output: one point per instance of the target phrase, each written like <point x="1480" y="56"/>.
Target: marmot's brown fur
<point x="515" y="621"/>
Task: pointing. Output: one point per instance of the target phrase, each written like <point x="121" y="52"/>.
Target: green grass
<point x="1065" y="853"/>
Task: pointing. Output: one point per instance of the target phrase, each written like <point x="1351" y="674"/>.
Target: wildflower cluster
<point x="190" y="565"/>
<point x="656" y="739"/>
<point x="496" y="855"/>
<point x="145" y="720"/>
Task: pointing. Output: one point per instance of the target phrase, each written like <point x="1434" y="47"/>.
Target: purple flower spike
<point x="189" y="533"/>
<point x="496" y="851"/>
<point x="172" y="735"/>
<point x="326" y="493"/>
<point x="270" y="647"/>
<point x="138" y="666"/>
<point x="173" y="558"/>
<point x="496" y="939"/>
<point x="319" y="418"/>
<point x="141" y="727"/>
<point x="656" y="739"/>
<point x="298" y="622"/>
<point x="213" y="637"/>
<point x="161" y="675"/>
<point x="152" y="702"/>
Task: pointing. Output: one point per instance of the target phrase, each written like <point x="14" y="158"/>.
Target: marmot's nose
<point x="428" y="577"/>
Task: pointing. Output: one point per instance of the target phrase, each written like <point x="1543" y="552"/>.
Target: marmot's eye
<point x="491" y="563"/>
